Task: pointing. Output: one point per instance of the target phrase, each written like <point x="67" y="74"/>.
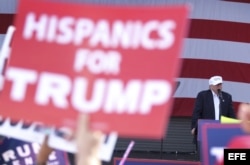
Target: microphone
<point x="220" y="95"/>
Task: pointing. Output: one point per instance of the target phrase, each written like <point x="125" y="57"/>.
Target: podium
<point x="201" y="123"/>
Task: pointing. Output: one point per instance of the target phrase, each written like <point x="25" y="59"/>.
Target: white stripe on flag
<point x="220" y="10"/>
<point x="1" y="40"/>
<point x="216" y="10"/>
<point x="189" y="88"/>
<point x="216" y="50"/>
<point x="8" y="6"/>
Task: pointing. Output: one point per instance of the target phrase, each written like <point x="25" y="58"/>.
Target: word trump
<point x="130" y="34"/>
<point x="236" y="156"/>
<point x="111" y="96"/>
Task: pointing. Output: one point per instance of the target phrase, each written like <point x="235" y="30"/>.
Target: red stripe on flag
<point x="231" y="71"/>
<point x="184" y="107"/>
<point x="5" y="21"/>
<point x="238" y="1"/>
<point x="219" y="30"/>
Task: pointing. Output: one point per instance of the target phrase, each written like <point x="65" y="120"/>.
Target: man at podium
<point x="211" y="104"/>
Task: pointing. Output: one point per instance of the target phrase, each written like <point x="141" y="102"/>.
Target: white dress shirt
<point x="216" y="106"/>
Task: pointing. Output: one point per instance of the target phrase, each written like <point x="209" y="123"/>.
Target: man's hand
<point x="193" y="131"/>
<point x="88" y="142"/>
<point x="44" y="152"/>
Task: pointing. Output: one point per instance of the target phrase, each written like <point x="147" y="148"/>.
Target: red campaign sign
<point x="116" y="63"/>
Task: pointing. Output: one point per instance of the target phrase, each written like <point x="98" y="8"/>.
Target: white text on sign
<point x="113" y="96"/>
<point x="97" y="61"/>
<point x="131" y="34"/>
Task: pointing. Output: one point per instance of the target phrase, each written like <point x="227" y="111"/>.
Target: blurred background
<point x="217" y="43"/>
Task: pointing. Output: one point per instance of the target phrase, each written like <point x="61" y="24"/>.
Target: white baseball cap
<point x="215" y="80"/>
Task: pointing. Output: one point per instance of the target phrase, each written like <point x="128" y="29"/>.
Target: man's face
<point x="216" y="87"/>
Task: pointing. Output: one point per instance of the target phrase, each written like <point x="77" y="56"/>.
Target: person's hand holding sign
<point x="88" y="142"/>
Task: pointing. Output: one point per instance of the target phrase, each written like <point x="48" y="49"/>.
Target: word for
<point x="97" y="61"/>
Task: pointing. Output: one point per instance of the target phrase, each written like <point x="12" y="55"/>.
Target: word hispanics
<point x="131" y="34"/>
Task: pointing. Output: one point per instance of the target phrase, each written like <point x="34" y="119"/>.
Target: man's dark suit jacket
<point x="204" y="107"/>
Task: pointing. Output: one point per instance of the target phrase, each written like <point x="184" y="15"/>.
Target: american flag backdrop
<point x="217" y="43"/>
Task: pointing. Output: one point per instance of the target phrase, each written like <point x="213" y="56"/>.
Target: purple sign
<point x="201" y="122"/>
<point x="16" y="152"/>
